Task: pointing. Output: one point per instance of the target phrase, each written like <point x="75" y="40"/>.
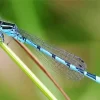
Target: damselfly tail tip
<point x="98" y="79"/>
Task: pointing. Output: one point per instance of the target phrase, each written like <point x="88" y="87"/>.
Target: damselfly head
<point x="7" y="26"/>
<point x="3" y="23"/>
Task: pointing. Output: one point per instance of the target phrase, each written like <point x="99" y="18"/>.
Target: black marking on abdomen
<point x="91" y="75"/>
<point x="80" y="70"/>
<point x="38" y="47"/>
<point x="67" y="63"/>
<point x="53" y="56"/>
<point x="24" y="38"/>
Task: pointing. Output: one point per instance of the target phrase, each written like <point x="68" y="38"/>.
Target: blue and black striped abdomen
<point x="61" y="59"/>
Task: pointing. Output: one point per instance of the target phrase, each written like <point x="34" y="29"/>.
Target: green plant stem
<point x="27" y="71"/>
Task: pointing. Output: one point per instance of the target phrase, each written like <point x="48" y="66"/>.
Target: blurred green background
<point x="70" y="24"/>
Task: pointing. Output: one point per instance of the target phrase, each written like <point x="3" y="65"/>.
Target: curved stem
<point x="43" y="69"/>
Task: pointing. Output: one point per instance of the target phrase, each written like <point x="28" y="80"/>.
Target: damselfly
<point x="69" y="65"/>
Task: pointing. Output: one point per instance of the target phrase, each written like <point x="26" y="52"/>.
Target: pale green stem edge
<point x="27" y="71"/>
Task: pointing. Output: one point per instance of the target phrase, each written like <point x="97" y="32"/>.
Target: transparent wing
<point x="55" y="65"/>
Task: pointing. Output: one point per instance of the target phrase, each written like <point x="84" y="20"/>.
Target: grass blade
<point x="27" y="71"/>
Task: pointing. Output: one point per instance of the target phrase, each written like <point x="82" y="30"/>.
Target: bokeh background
<point x="73" y="25"/>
